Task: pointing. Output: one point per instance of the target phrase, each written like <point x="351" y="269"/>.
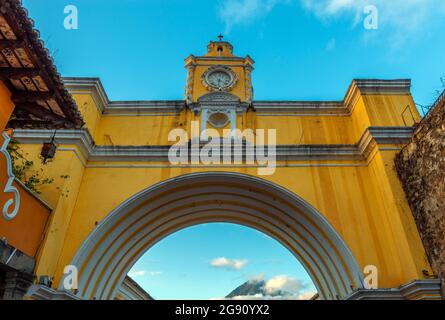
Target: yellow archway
<point x="136" y="225"/>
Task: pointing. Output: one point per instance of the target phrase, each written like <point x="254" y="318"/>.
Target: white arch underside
<point x="140" y="222"/>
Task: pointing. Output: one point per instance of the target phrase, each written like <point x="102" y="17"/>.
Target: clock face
<point x="219" y="79"/>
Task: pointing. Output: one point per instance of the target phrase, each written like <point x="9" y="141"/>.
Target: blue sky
<point x="304" y="50"/>
<point x="209" y="261"/>
<point x="310" y="49"/>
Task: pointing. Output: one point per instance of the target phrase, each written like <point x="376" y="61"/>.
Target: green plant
<point x="23" y="169"/>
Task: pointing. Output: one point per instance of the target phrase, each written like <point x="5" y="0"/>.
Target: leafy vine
<point x="24" y="171"/>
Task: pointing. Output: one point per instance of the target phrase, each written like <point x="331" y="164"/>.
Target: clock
<point x="219" y="78"/>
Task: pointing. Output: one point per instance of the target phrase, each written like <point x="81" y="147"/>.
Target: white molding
<point x="225" y="113"/>
<point x="299" y="108"/>
<point x="89" y="151"/>
<point x="91" y="86"/>
<point x="131" y="290"/>
<point x="133" y="227"/>
<point x="9" y="187"/>
<point x="233" y="123"/>
<point x="147" y="108"/>
<point x="427" y="289"/>
<point x="94" y="87"/>
<point x="41" y="292"/>
<point x="344" y="107"/>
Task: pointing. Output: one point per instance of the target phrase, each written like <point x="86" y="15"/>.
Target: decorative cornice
<point x="129" y="288"/>
<point x="300" y="107"/>
<point x="377" y="86"/>
<point x="374" y="136"/>
<point x="41" y="292"/>
<point x="360" y="151"/>
<point x="91" y="86"/>
<point x="80" y="138"/>
<point x="209" y="58"/>
<point x="415" y="290"/>
<point x="219" y="100"/>
<point x="345" y="107"/>
<point x="374" y="87"/>
<point x="94" y="87"/>
<point x="172" y="107"/>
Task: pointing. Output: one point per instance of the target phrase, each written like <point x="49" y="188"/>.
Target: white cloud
<point x="226" y="263"/>
<point x="141" y="273"/>
<point x="332" y="7"/>
<point x="136" y="273"/>
<point x="303" y="296"/>
<point x="284" y="283"/>
<point x="257" y="278"/>
<point x="233" y="12"/>
<point x="281" y="287"/>
<point x="399" y="21"/>
<point x="407" y="15"/>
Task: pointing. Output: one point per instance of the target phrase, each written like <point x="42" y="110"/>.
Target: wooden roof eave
<point x="26" y="38"/>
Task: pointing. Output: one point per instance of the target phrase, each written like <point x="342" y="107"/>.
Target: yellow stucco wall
<point x="362" y="200"/>
<point x="61" y="195"/>
<point x="153" y="130"/>
<point x="90" y="111"/>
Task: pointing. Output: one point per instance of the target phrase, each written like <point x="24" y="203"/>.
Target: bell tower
<point x="219" y="85"/>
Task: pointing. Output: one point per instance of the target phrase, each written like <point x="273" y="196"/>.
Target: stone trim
<point x="131" y="290"/>
<point x="415" y="290"/>
<point x="91" y="86"/>
<point x="360" y="151"/>
<point x="94" y="87"/>
<point x="41" y="292"/>
<point x="144" y="108"/>
<point x="344" y="107"/>
<point x="205" y="58"/>
<point x="299" y="107"/>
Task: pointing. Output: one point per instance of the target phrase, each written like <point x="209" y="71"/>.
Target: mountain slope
<point x="254" y="288"/>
